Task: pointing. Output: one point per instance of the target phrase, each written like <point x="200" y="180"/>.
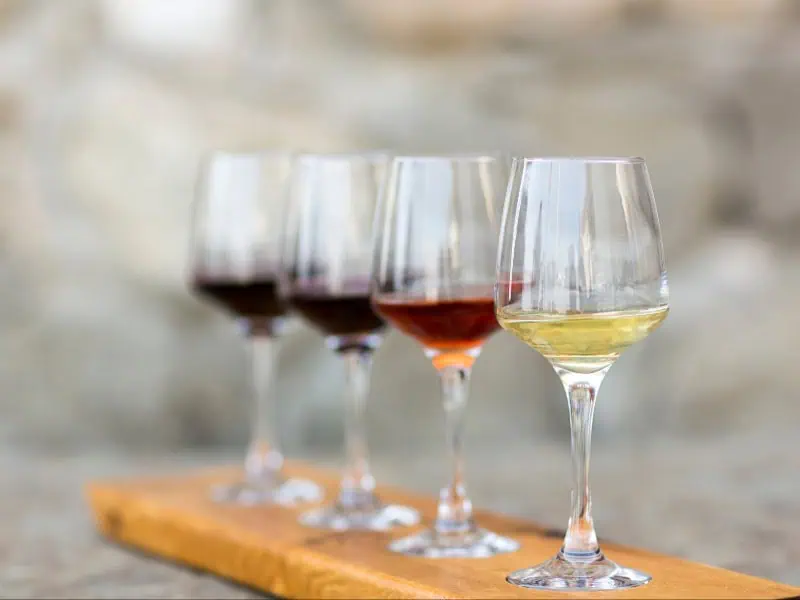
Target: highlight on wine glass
<point x="433" y="275"/>
<point x="327" y="266"/>
<point x="580" y="278"/>
<point x="236" y="242"/>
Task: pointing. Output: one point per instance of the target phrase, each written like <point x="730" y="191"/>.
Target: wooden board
<point x="265" y="548"/>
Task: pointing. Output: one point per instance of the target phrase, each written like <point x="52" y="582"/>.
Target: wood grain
<point x="265" y="548"/>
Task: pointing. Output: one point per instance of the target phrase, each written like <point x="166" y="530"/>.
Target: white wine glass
<point x="580" y="278"/>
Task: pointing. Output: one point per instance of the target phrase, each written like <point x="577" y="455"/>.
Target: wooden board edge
<point x="135" y="526"/>
<point x="768" y="584"/>
<point x="157" y="535"/>
<point x="314" y="571"/>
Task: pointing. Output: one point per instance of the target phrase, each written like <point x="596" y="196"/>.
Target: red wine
<point x="446" y="325"/>
<point x="337" y="315"/>
<point x="255" y="299"/>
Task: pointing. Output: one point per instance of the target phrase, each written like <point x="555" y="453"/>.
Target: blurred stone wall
<point x="105" y="107"/>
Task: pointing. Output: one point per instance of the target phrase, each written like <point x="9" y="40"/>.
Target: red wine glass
<point x="237" y="238"/>
<point x="328" y="267"/>
<point x="435" y="244"/>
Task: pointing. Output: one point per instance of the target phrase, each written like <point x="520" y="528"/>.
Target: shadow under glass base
<point x="377" y="517"/>
<point x="560" y="574"/>
<point x="477" y="543"/>
<point x="288" y="492"/>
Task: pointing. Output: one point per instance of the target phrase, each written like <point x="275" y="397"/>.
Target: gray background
<point x="108" y="364"/>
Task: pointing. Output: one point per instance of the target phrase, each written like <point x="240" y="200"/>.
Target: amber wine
<point x="583" y="342"/>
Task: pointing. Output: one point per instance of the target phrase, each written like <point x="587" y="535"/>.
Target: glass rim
<point x="479" y="157"/>
<point x="583" y="159"/>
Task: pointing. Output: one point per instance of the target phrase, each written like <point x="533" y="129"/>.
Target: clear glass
<point x="235" y="259"/>
<point x="327" y="266"/>
<point x="435" y="246"/>
<point x="580" y="277"/>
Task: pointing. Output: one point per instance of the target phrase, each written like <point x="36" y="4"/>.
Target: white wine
<point x="581" y="342"/>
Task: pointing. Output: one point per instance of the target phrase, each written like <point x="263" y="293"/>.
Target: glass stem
<point x="454" y="513"/>
<point x="264" y="458"/>
<point x="580" y="542"/>
<point x="358" y="485"/>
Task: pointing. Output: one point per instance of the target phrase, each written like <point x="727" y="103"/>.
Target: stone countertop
<point x="49" y="547"/>
<point x="730" y="502"/>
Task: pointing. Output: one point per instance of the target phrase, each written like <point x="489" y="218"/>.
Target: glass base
<point x="560" y="574"/>
<point x="477" y="543"/>
<point x="376" y="518"/>
<point x="286" y="493"/>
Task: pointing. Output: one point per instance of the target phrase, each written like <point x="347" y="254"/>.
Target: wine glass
<point x="436" y="241"/>
<point x="580" y="277"/>
<point x="328" y="267"/>
<point x="235" y="259"/>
